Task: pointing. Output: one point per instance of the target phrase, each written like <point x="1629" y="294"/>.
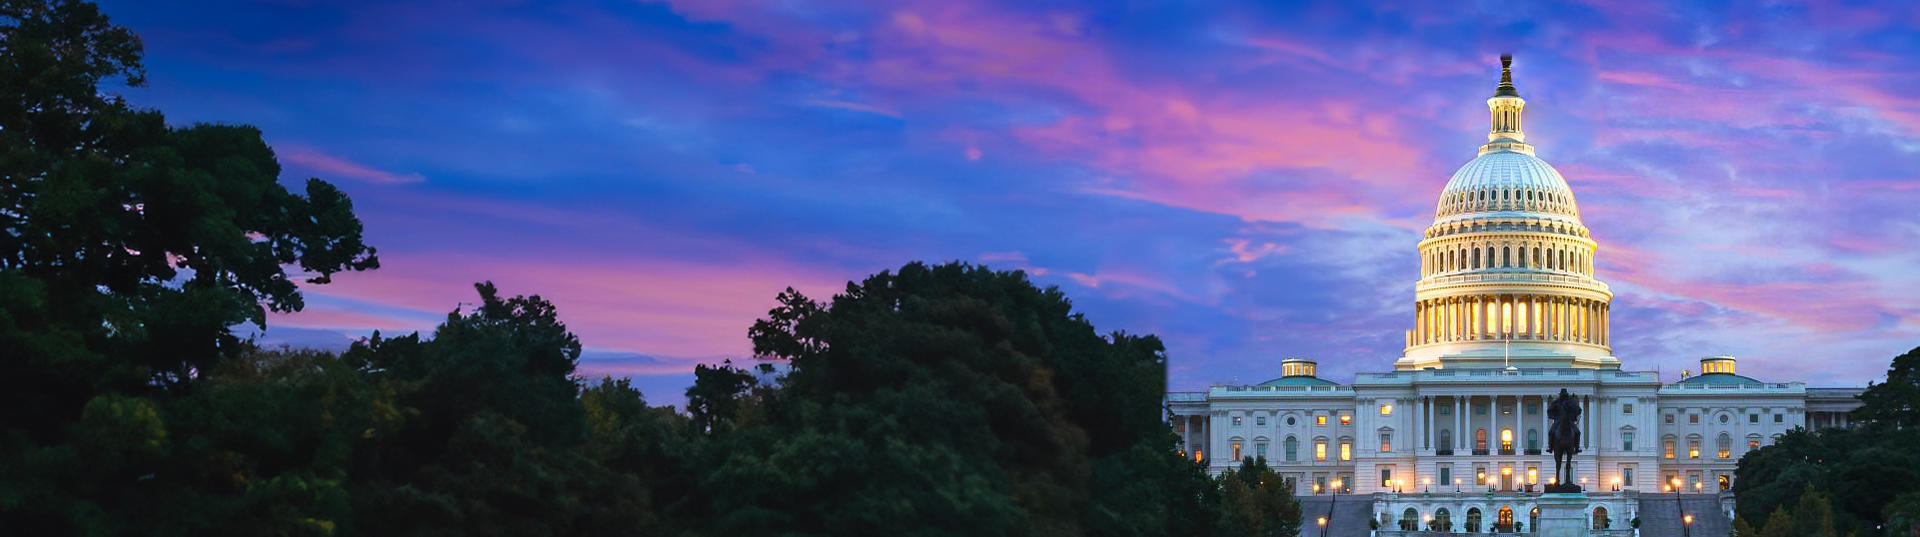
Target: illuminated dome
<point x="1507" y="181"/>
<point x="1506" y="269"/>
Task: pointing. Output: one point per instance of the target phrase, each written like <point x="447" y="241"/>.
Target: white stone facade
<point x="1508" y="312"/>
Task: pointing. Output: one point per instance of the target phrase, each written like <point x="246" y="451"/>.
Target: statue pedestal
<point x="1563" y="515"/>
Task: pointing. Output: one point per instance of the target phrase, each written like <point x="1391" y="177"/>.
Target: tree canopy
<point x="932" y="400"/>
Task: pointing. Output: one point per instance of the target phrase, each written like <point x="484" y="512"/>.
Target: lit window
<point x="1753" y="444"/>
<point x="1320" y="420"/>
<point x="1693" y="418"/>
<point x="1533" y="476"/>
<point x="1693" y="449"/>
<point x="1386" y="477"/>
<point x="1346" y="419"/>
<point x="1386" y="410"/>
<point x="1320" y="450"/>
<point x="1236" y="421"/>
<point x="1236" y="452"/>
<point x="1723" y="446"/>
<point x="1386" y="442"/>
<point x="1346" y="451"/>
<point x="1669" y="448"/>
<point x="1506" y="440"/>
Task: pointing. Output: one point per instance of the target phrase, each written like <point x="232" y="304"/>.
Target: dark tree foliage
<point x="1858" y="471"/>
<point x="955" y="400"/>
<point x="129" y="248"/>
<point x="936" y="400"/>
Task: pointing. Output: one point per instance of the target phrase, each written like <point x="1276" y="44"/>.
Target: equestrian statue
<point x="1563" y="439"/>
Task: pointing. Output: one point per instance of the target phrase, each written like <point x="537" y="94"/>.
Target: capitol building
<point x="1508" y="311"/>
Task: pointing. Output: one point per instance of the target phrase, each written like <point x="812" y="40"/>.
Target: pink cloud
<point x="325" y="164"/>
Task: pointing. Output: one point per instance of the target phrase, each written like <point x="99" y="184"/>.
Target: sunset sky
<point x="1247" y="181"/>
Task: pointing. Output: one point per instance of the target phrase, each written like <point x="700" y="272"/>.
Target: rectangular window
<point x="1346" y="419"/>
<point x="1693" y="418"/>
<point x="1386" y="442"/>
<point x="1779" y="418"/>
<point x="1319" y="451"/>
<point x="1236" y="452"/>
<point x="1626" y="408"/>
<point x="1693" y="449"/>
<point x="1261" y="421"/>
<point x="1386" y="478"/>
<point x="1346" y="451"/>
<point x="1386" y="409"/>
<point x="1480" y="410"/>
<point x="1753" y="445"/>
<point x="1319" y="484"/>
<point x="1444" y="410"/>
<point x="1260" y="450"/>
<point x="1669" y="448"/>
<point x="1446" y="475"/>
<point x="1320" y="419"/>
<point x="1626" y="476"/>
<point x="1626" y="441"/>
<point x="1533" y="410"/>
<point x="1236" y="421"/>
<point x="1669" y="418"/>
<point x="1753" y="418"/>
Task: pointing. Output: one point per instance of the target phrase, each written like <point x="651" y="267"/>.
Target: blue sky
<point x="1245" y="180"/>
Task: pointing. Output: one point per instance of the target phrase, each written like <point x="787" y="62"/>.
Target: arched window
<point x="1473" y="520"/>
<point x="1506" y="441"/>
<point x="1533" y="519"/>
<point x="1410" y="520"/>
<point x="1753" y="442"/>
<point x="1293" y="448"/>
<point x="1504" y="519"/>
<point x="1480" y="439"/>
<point x="1445" y="442"/>
<point x="1667" y="446"/>
<point x="1533" y="440"/>
<point x="1724" y="446"/>
<point x="1476" y="258"/>
<point x="1506" y="257"/>
<point x="1442" y="521"/>
<point x="1693" y="446"/>
<point x="1600" y="520"/>
<point x="1536" y="256"/>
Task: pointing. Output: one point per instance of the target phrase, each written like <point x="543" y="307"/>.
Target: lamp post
<point x="1616" y="484"/>
<point x="1686" y="525"/>
<point x="1323" y="526"/>
<point x="1456" y="484"/>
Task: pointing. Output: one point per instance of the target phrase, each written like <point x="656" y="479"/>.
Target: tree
<point x="129" y="248"/>
<point x="957" y="400"/>
<point x="1896" y="402"/>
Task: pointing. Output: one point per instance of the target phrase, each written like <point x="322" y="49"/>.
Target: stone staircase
<point x="1347" y="517"/>
<point x="1660" y="516"/>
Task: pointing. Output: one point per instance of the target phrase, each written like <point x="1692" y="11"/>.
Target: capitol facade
<point x="1508" y="311"/>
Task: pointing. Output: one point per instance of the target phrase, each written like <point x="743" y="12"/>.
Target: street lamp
<point x="1616" y="484"/>
<point x="1456" y="484"/>
<point x="1696" y="487"/>
<point x="1427" y="483"/>
<point x="1686" y="525"/>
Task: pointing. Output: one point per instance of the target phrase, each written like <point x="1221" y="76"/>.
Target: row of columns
<point x="1511" y="316"/>
<point x="1463" y="433"/>
<point x="1447" y="259"/>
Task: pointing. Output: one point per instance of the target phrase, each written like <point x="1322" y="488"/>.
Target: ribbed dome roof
<point x="1507" y="181"/>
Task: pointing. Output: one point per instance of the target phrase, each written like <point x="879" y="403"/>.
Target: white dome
<point x="1507" y="181"/>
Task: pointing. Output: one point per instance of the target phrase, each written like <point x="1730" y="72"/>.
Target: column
<point x="1459" y="422"/>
